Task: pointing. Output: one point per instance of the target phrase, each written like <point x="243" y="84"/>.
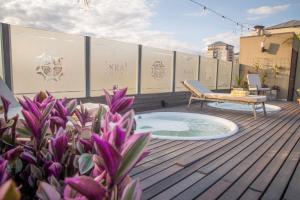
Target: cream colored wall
<point x="157" y="70"/>
<point x="113" y="63"/>
<point x="208" y="72"/>
<point x="250" y="54"/>
<point x="34" y="53"/>
<point x="1" y="56"/>
<point x="186" y="69"/>
<point x="297" y="81"/>
<point x="224" y="74"/>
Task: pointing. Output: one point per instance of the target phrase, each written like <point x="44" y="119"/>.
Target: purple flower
<point x="109" y="154"/>
<point x="55" y="169"/>
<point x="3" y="173"/>
<point x="87" y="187"/>
<point x="59" y="144"/>
<point x="13" y="153"/>
<point x="28" y="157"/>
<point x="118" y="102"/>
<point x="87" y="144"/>
<point x="33" y="124"/>
<point x="61" y="111"/>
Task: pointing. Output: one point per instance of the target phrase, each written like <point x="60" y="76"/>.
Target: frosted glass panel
<point x="157" y="70"/>
<point x="186" y="69"/>
<point x="43" y="60"/>
<point x="224" y="74"/>
<point x="1" y="56"/>
<point x="235" y="73"/>
<point x="113" y="63"/>
<point x="208" y="72"/>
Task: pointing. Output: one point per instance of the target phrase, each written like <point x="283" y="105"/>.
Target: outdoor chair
<point x="298" y="95"/>
<point x="254" y="85"/>
<point x="199" y="92"/>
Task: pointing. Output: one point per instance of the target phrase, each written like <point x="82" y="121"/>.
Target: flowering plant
<point x="70" y="153"/>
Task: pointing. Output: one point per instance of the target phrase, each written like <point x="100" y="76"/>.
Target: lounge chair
<point x="199" y="92"/>
<point x="15" y="107"/>
<point x="254" y="84"/>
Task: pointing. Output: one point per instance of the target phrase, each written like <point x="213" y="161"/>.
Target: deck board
<point x="260" y="161"/>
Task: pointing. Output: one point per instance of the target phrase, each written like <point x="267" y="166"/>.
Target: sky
<point x="169" y="24"/>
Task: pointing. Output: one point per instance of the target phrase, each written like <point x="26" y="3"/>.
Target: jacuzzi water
<point x="243" y="107"/>
<point x="184" y="126"/>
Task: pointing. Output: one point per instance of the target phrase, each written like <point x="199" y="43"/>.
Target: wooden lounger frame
<point x="202" y="99"/>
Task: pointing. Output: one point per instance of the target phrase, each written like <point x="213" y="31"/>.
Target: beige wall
<point x="208" y="72"/>
<point x="157" y="70"/>
<point x="113" y="63"/>
<point x="279" y="50"/>
<point x="284" y="30"/>
<point x="224" y="74"/>
<point x="44" y="60"/>
<point x="186" y="69"/>
<point x="1" y="59"/>
<point x="297" y="81"/>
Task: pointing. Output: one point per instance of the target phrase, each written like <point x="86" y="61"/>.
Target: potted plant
<point x="238" y="83"/>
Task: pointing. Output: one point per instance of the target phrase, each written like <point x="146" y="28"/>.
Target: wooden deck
<point x="261" y="161"/>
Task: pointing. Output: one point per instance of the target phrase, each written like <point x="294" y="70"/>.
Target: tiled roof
<point x="219" y="43"/>
<point x="288" y="24"/>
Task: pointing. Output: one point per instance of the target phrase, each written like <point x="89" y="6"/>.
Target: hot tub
<point x="243" y="107"/>
<point x="184" y="126"/>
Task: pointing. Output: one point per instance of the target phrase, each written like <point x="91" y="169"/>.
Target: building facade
<point x="273" y="52"/>
<point x="221" y="50"/>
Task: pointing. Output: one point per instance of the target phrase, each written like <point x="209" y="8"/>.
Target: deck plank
<point x="260" y="159"/>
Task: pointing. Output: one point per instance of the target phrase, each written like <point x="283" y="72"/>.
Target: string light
<point x="241" y="25"/>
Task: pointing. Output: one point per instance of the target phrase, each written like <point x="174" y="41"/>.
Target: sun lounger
<point x="199" y="92"/>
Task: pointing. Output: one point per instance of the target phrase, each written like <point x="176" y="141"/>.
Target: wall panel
<point x="44" y="60"/>
<point x="113" y="63"/>
<point x="157" y="70"/>
<point x="224" y="74"/>
<point x="186" y="69"/>
<point x="208" y="72"/>
<point x="1" y="54"/>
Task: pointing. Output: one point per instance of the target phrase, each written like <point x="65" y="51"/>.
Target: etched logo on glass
<point x="116" y="68"/>
<point x="50" y="67"/>
<point x="158" y="70"/>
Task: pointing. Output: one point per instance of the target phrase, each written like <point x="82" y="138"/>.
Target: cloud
<point x="124" y="20"/>
<point x="227" y="37"/>
<point x="265" y="11"/>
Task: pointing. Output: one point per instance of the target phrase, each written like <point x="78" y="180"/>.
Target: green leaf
<point x="48" y="109"/>
<point x="36" y="172"/>
<point x="132" y="154"/>
<point x="9" y="191"/>
<point x="6" y="138"/>
<point x="86" y="163"/>
<point x="132" y="191"/>
<point x="24" y="131"/>
<point x="18" y="165"/>
<point x="46" y="191"/>
<point x="96" y="125"/>
<point x="71" y="106"/>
